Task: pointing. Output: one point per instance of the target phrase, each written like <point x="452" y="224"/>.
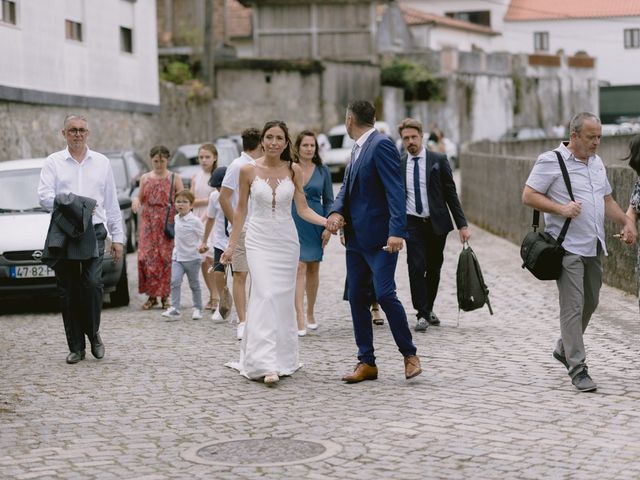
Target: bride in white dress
<point x="269" y="347"/>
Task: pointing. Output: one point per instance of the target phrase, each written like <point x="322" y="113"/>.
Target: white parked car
<point x="338" y="156"/>
<point x="184" y="160"/>
<point x="24" y="225"/>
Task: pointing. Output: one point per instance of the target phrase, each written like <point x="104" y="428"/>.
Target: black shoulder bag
<point x="541" y="253"/>
<point x="169" y="227"/>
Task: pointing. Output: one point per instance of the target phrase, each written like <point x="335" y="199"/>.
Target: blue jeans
<point x="192" y="269"/>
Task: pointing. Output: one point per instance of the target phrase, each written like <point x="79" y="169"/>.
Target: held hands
<point x="203" y="248"/>
<point x="571" y="209"/>
<point x="335" y="222"/>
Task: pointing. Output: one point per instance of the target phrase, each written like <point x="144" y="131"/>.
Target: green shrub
<point x="176" y="72"/>
<point x="416" y="80"/>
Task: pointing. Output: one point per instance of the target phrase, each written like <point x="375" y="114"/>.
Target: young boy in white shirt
<point x="216" y="221"/>
<point x="185" y="258"/>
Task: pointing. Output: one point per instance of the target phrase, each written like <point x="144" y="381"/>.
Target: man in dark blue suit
<point x="430" y="194"/>
<point x="371" y="207"/>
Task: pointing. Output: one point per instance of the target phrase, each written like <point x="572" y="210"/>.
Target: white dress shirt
<point x="218" y="238"/>
<point x="231" y="181"/>
<point x="360" y="142"/>
<point x="189" y="231"/>
<point x="92" y="177"/>
<point x="411" y="197"/>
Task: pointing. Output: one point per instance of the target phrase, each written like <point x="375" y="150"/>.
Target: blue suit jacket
<point x="372" y="196"/>
<point x="441" y="193"/>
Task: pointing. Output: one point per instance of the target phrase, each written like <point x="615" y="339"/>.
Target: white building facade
<point x="80" y="53"/>
<point x="607" y="31"/>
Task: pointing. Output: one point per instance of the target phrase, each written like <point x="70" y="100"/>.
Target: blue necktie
<point x="416" y="184"/>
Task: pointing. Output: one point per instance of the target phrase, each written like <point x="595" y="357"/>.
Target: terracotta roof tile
<point x="418" y="17"/>
<point x="521" y="10"/>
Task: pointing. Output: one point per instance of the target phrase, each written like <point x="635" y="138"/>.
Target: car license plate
<point x="32" y="271"/>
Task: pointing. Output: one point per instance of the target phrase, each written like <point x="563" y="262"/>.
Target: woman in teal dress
<point x="319" y="192"/>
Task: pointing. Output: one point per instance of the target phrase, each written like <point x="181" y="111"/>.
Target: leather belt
<point x="418" y="219"/>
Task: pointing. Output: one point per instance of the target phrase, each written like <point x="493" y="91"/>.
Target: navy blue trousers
<point x="362" y="266"/>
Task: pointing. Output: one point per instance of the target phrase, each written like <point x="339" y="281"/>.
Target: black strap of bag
<point x="536" y="213"/>
<point x="166" y="217"/>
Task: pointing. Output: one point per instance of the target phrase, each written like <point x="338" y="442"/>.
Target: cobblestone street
<point x="492" y="403"/>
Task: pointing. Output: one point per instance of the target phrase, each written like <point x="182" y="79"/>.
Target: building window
<point x="126" y="40"/>
<point x="541" y="41"/>
<point x="73" y="30"/>
<point x="482" y="17"/>
<point x="632" y="38"/>
<point x="8" y="12"/>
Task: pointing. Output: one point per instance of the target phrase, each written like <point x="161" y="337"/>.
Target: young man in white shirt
<point x="83" y="172"/>
<point x="228" y="201"/>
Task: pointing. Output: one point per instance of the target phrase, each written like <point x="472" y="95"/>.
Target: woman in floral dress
<point x="154" y="248"/>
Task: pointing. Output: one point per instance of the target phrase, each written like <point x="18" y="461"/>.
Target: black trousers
<point x="80" y="291"/>
<point x="425" y="255"/>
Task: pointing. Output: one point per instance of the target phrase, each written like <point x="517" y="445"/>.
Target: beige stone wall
<point x="29" y="131"/>
<point x="491" y="194"/>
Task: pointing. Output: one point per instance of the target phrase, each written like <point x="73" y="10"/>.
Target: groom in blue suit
<point x="371" y="208"/>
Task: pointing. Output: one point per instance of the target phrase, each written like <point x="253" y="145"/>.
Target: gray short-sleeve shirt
<point x="589" y="184"/>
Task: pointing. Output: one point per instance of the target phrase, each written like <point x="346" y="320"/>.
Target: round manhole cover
<point x="261" y="452"/>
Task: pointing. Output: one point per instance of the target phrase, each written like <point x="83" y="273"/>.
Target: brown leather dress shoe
<point x="412" y="366"/>
<point x="363" y="371"/>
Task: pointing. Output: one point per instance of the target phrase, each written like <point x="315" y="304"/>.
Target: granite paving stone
<point x="492" y="402"/>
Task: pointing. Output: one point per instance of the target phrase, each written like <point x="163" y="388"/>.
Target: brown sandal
<point x="165" y="303"/>
<point x="150" y="303"/>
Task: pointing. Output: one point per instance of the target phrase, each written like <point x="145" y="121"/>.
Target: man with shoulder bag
<point x="580" y="277"/>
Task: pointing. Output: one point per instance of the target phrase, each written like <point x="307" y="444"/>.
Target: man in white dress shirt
<point x="81" y="171"/>
<point x="581" y="277"/>
<point x="251" y="149"/>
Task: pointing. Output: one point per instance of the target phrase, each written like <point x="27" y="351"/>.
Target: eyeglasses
<point x="75" y="131"/>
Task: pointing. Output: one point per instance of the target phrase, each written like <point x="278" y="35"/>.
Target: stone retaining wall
<point x="491" y="194"/>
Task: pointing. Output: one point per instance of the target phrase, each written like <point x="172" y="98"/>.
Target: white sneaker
<point x="217" y="317"/>
<point x="172" y="313"/>
<point x="196" y="315"/>
<point x="312" y="326"/>
<point x="302" y="333"/>
<point x="240" y="331"/>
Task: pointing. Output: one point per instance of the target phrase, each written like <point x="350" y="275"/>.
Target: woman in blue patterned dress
<point x="318" y="190"/>
<point x="634" y="204"/>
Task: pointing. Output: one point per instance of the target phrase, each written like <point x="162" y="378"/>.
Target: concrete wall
<point x="38" y="61"/>
<point x="343" y="82"/>
<point x="250" y="98"/>
<point x="612" y="148"/>
<point x="489" y="94"/>
<point x="306" y="95"/>
<point x="29" y="131"/>
<point x="491" y="194"/>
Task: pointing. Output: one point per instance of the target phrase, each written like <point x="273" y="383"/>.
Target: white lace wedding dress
<point x="270" y="342"/>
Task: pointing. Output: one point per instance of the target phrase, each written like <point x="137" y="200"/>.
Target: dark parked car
<point x="128" y="167"/>
<point x="24" y="225"/>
